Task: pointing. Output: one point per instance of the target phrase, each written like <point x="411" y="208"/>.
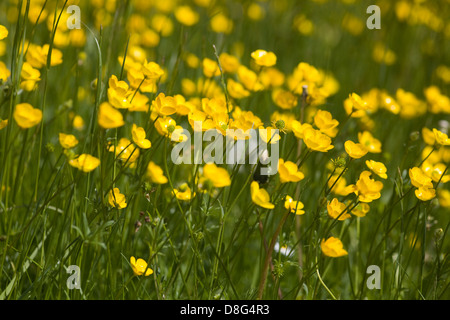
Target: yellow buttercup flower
<point x="353" y="24"/>
<point x="429" y="155"/>
<point x="67" y="141"/>
<point x="137" y="79"/>
<point x="425" y="194"/>
<point x="246" y="119"/>
<point x="438" y="173"/>
<point x="26" y="116"/>
<point x="411" y="106"/>
<point x="441" y="138"/>
<point x="271" y="78"/>
<point x="210" y="68"/>
<point x="357" y="102"/>
<point x="78" y="123"/>
<point x="350" y="110"/>
<point x="249" y="79"/>
<point x="236" y="89"/>
<point x="294" y="206"/>
<point x="372" y="144"/>
<point x="238" y="131"/>
<point x="340" y="187"/>
<point x="191" y="60"/>
<point x="183" y="107"/>
<point x="4" y="72"/>
<point x="220" y="23"/>
<point x="443" y="72"/>
<point x="255" y="11"/>
<point x="303" y="25"/>
<point x="3" y="32"/>
<point x="361" y="210"/>
<point x="304" y="74"/>
<point x="389" y="103"/>
<point x="119" y="93"/>
<point x="336" y="210"/>
<point x="178" y="135"/>
<point x="37" y="56"/>
<point x="140" y="267"/>
<point x="355" y="150"/>
<point x="109" y="117"/>
<point x="165" y="126"/>
<point x="183" y="192"/>
<point x="316" y="140"/>
<point x="373" y="97"/>
<point x="260" y="196"/>
<point x="437" y="102"/>
<point x="377" y="167"/>
<point x="152" y="70"/>
<point x="264" y="58"/>
<point x="164" y="105"/>
<point x="61" y="39"/>
<point x="419" y="179"/>
<point x="3" y="123"/>
<point x="229" y="63"/>
<point x="428" y="136"/>
<point x="138" y="134"/>
<point x="368" y="189"/>
<point x="435" y="171"/>
<point x="444" y="154"/>
<point x="77" y="37"/>
<point x="29" y="77"/>
<point x="162" y="24"/>
<point x="269" y="134"/>
<point x="117" y="199"/>
<point x="333" y="247"/>
<point x="284" y="99"/>
<point x="136" y="53"/>
<point x="289" y="172"/>
<point x="286" y="117"/>
<point x="214" y="106"/>
<point x="186" y="15"/>
<point x="218" y="176"/>
<point x="444" y="198"/>
<point x="325" y="122"/>
<point x="156" y="174"/>
<point x="85" y="162"/>
<point x="383" y="55"/>
<point x="139" y="103"/>
<point x="125" y="151"/>
<point x="298" y="129"/>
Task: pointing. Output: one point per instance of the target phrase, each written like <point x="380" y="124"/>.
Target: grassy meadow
<point x="96" y="95"/>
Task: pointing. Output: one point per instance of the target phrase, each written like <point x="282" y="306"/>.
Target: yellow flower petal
<point x="26" y="116"/>
<point x="333" y="247"/>
<point x="260" y="196"/>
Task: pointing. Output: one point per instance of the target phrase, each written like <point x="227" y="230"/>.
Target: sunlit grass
<point x="339" y="93"/>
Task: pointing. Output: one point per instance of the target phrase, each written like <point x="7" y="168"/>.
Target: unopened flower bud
<point x="414" y="136"/>
<point x="280" y="124"/>
<point x="199" y="236"/>
<point x="171" y="128"/>
<point x="339" y="162"/>
<point x="50" y="147"/>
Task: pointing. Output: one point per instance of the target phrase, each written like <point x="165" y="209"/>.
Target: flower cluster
<point x="89" y="119"/>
